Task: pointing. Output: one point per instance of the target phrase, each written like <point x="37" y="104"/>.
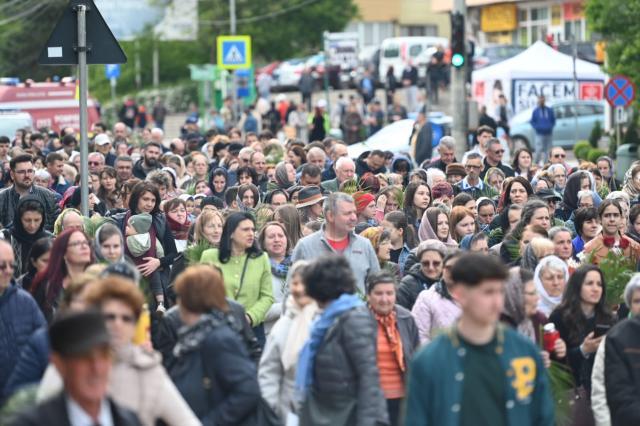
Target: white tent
<point x="538" y="70"/>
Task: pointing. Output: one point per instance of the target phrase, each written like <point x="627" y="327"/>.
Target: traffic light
<point x="458" y="40"/>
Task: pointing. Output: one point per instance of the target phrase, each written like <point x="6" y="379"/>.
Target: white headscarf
<point x="548" y="303"/>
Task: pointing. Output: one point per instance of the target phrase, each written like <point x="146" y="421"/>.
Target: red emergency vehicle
<point x="52" y="105"/>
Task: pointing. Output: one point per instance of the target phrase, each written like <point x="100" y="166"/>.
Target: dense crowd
<point x="228" y="277"/>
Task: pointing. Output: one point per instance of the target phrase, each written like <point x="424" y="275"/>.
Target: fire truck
<point x="51" y="105"/>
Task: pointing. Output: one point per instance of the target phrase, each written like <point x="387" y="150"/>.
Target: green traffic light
<point x="457" y="60"/>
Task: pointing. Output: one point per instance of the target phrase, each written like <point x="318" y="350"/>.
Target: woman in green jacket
<point x="245" y="268"/>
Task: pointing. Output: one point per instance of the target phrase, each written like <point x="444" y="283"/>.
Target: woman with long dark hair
<point x="27" y="228"/>
<point x="218" y="182"/>
<point x="38" y="260"/>
<point x="108" y="192"/>
<point x="522" y="162"/>
<point x="417" y="198"/>
<point x="145" y="198"/>
<point x="402" y="236"/>
<point x="246" y="269"/>
<point x="289" y="217"/>
<point x="582" y="309"/>
<point x="71" y="254"/>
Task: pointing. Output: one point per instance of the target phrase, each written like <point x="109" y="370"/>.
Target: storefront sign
<point x="499" y="17"/>
<point x="573" y="11"/>
<point x="526" y="92"/>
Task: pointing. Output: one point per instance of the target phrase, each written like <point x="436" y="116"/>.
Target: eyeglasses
<point x="427" y="264"/>
<point x="470" y="166"/>
<point x="94" y="163"/>
<point x="7" y="265"/>
<point x="24" y="172"/>
<point x="79" y="243"/>
<point x="559" y="155"/>
<point x="500" y="151"/>
<point x="127" y="319"/>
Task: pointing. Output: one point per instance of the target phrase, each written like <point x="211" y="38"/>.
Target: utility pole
<point x="156" y="64"/>
<point x="83" y="76"/>
<point x="234" y="83"/>
<point x="458" y="88"/>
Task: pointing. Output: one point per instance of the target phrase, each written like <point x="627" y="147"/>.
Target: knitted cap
<point x="362" y="200"/>
<point x="141" y="222"/>
<point x="440" y="189"/>
<point x="456" y="169"/>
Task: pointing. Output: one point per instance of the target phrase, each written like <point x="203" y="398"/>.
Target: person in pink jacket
<point x="435" y="309"/>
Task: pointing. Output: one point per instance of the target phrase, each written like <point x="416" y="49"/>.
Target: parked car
<point x="398" y="51"/>
<point x="287" y="74"/>
<point x="588" y="113"/>
<point x="12" y="120"/>
<point x="395" y="137"/>
<point x="492" y="54"/>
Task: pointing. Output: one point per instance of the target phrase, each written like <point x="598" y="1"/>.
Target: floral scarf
<point x="190" y="338"/>
<point x="280" y="270"/>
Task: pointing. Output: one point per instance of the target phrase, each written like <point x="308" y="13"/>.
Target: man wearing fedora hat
<point x="81" y="353"/>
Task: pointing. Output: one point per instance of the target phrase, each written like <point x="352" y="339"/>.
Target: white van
<point x="398" y="51"/>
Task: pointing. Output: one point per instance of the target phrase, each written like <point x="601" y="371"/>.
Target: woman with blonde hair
<point x="208" y="228"/>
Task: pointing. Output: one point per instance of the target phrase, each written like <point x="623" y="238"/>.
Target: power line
<point x="261" y="17"/>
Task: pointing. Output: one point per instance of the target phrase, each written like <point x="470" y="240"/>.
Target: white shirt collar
<point x="79" y="417"/>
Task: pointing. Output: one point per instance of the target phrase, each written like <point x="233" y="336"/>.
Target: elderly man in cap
<point x="81" y="353"/>
<point x="19" y="315"/>
<point x="337" y="236"/>
<point x="103" y="146"/>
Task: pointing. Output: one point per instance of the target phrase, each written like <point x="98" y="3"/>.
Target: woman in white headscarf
<point x="551" y="276"/>
<point x="277" y="369"/>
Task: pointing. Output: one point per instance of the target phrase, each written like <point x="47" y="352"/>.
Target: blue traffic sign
<point x="620" y="91"/>
<point x="234" y="52"/>
<point x="112" y="71"/>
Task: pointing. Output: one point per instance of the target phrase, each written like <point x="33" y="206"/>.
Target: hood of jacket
<point x="138" y="357"/>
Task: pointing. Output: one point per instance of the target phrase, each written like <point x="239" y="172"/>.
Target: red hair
<point x="56" y="270"/>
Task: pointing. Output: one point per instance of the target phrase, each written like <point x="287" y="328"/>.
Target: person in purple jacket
<point x="542" y="120"/>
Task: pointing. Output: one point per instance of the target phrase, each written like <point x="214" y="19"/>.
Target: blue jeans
<point x="542" y="148"/>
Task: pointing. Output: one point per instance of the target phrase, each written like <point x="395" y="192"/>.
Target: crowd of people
<point x="233" y="278"/>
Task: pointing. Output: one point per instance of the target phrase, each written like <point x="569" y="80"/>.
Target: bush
<point x="596" y="134"/>
<point x="594" y="154"/>
<point x="581" y="150"/>
<point x="631" y="135"/>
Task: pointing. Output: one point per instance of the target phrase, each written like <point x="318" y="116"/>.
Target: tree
<point x="618" y="21"/>
<point x="25" y="27"/>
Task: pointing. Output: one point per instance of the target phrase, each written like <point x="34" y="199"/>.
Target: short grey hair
<point x="432" y="173"/>
<point x="556" y="230"/>
<point x="96" y="155"/>
<point x="315" y="151"/>
<point x="43" y="174"/>
<point x="632" y="286"/>
<point x="493" y="141"/>
<point x="298" y="267"/>
<point x="447" y="142"/>
<point x="472" y="156"/>
<point x="158" y="177"/>
<point x="619" y="195"/>
<point x="555" y="167"/>
<point x="331" y="203"/>
<point x="343" y="160"/>
<point x="584" y="193"/>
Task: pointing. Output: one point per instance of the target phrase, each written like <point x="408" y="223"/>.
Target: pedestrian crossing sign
<point x="234" y="52"/>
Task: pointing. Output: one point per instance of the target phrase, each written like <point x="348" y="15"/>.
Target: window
<point x="415" y="50"/>
<point x="419" y="30"/>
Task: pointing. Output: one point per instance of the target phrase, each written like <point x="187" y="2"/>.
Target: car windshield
<point x="392" y="51"/>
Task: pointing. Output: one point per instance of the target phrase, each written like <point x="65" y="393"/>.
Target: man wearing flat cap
<point x="81" y="353"/>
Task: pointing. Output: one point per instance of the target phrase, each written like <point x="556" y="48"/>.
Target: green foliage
<point x="562" y="384"/>
<point x="193" y="253"/>
<point x="618" y="21"/>
<point x="581" y="150"/>
<point x="596" y="134"/>
<point x="613" y="148"/>
<point x="595" y="153"/>
<point x="617" y="270"/>
<point x="631" y="134"/>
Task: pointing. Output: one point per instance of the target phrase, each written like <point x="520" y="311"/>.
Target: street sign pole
<point x="114" y="83"/>
<point x="234" y="83"/>
<point x="81" y="10"/>
<point x="618" y="115"/>
<point x="325" y="37"/>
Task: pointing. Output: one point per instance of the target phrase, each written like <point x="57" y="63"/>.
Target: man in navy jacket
<point x="542" y="121"/>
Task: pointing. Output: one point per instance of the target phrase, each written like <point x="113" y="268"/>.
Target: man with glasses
<point x="96" y="162"/>
<point x="472" y="184"/>
<point x="542" y="120"/>
<point x="19" y="316"/>
<point x="495" y="151"/>
<point x="22" y="175"/>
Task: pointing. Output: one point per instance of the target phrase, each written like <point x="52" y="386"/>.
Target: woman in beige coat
<point x="138" y="380"/>
<point x="277" y="369"/>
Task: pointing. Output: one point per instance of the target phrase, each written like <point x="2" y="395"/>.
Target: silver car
<point x="588" y="113"/>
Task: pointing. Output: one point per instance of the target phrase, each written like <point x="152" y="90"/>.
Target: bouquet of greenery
<point x="617" y="271"/>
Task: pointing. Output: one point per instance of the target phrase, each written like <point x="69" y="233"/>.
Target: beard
<point x="151" y="162"/>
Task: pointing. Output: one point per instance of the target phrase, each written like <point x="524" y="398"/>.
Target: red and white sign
<point x="591" y="91"/>
<point x="51" y="105"/>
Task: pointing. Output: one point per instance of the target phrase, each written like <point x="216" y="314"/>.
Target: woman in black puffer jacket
<point x="426" y="271"/>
